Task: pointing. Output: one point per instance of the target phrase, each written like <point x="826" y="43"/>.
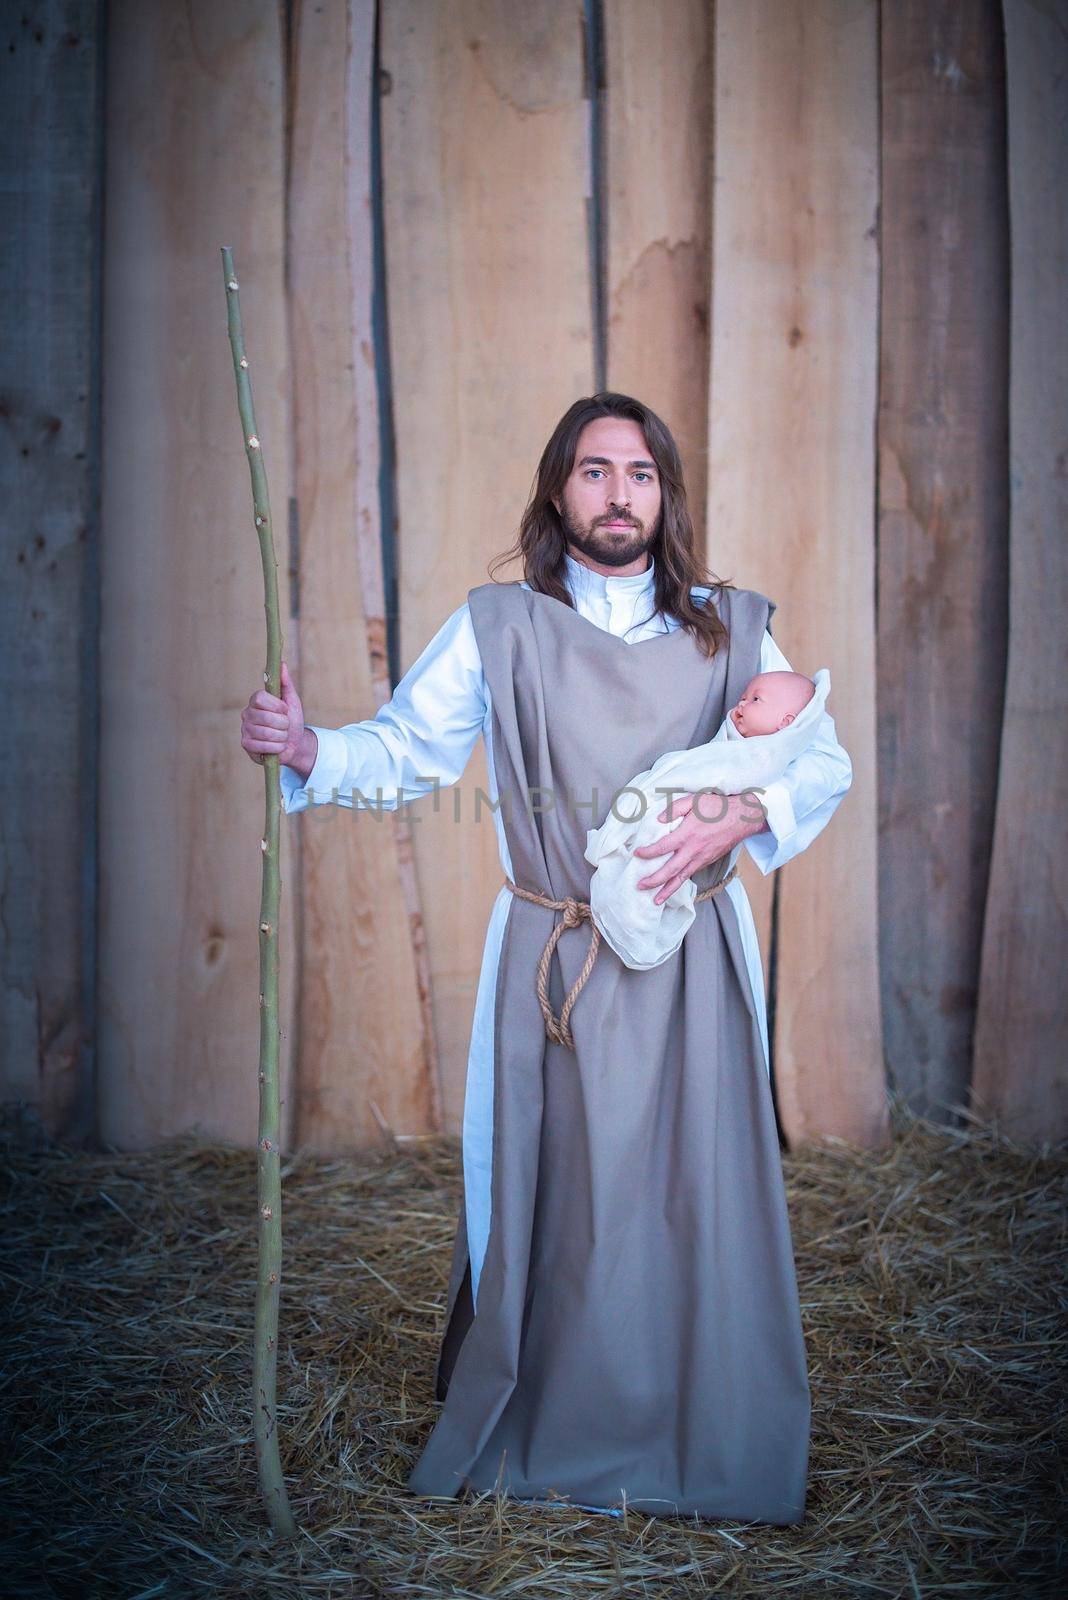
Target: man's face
<point x="611" y="503"/>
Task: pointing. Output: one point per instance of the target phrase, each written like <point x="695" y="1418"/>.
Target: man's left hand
<point x="706" y="833"/>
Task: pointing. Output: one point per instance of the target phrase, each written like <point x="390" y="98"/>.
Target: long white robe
<point x="423" y="737"/>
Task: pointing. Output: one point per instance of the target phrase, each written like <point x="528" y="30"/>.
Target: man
<point x="624" y="1238"/>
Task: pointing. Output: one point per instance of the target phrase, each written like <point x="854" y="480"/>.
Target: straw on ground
<point x="932" y="1285"/>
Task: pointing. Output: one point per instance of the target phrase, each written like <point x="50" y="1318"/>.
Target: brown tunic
<point x="638" y="1332"/>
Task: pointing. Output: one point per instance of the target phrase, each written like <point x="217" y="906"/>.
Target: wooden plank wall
<point x="50" y="74"/>
<point x="943" y="508"/>
<point x="1021" y="1067"/>
<point x="656" y="204"/>
<point x="485" y="161"/>
<point x="366" y="1050"/>
<point x="791" y="482"/>
<point x="741" y="298"/>
<point x="195" y="148"/>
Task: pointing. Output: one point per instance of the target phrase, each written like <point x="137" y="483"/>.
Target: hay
<point x="932" y="1286"/>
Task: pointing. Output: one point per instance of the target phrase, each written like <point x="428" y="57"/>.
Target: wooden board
<point x="943" y="516"/>
<point x="791" y="483"/>
<point x="1021" y="1038"/>
<point x="658" y="201"/>
<point x="658" y="105"/>
<point x="50" y="77"/>
<point x="484" y="133"/>
<point x="366" y="1046"/>
<point x="195" y="160"/>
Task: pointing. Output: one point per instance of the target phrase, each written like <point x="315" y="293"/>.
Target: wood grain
<point x="943" y="517"/>
<point x="791" y="484"/>
<point x="658" y="106"/>
<point x="484" y="135"/>
<point x="195" y="159"/>
<point x="1021" y="1038"/>
<point x="366" y="1047"/>
<point x="50" y="77"/>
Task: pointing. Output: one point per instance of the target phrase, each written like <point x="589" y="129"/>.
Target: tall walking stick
<point x="269" y="1180"/>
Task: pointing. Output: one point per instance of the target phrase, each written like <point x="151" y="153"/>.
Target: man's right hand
<point x="272" y="726"/>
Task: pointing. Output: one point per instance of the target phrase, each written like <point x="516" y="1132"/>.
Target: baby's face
<point x="771" y="701"/>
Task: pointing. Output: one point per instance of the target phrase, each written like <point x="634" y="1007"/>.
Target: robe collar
<point x="582" y="580"/>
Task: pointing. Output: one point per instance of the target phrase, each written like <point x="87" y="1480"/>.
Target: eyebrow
<point x="603" y="461"/>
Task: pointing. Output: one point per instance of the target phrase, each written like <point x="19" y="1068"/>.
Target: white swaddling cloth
<point x="642" y="934"/>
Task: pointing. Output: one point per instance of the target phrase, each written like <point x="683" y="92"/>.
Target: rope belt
<point x="576" y="912"/>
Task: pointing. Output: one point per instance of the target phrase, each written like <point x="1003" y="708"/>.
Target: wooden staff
<point x="269" y="1184"/>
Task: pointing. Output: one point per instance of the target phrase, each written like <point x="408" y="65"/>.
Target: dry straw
<point x="932" y="1282"/>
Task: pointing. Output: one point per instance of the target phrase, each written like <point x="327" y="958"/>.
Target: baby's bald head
<point x="771" y="701"/>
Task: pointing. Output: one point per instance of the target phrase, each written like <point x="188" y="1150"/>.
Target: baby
<point x="770" y="701"/>
<point x="776" y="718"/>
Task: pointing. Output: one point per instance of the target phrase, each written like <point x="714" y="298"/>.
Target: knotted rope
<point x="576" y="912"/>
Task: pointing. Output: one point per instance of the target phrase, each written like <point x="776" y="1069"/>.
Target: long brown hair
<point x="542" y="540"/>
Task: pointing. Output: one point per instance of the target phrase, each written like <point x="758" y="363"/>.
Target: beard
<point x="612" y="547"/>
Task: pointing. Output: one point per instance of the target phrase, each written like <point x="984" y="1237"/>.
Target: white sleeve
<point x="800" y="803"/>
<point x="419" y="740"/>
